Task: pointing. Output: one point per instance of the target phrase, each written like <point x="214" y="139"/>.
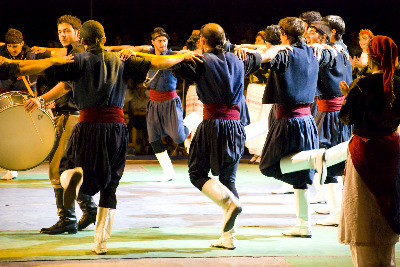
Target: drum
<point x="25" y="139"/>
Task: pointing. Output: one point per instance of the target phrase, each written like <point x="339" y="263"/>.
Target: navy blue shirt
<point x="220" y="78"/>
<point x="99" y="79"/>
<point x="293" y="77"/>
<point x="164" y="81"/>
<point x="330" y="76"/>
<point x="349" y="77"/>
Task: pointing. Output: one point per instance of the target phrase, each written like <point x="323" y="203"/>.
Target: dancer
<point x="330" y="129"/>
<point x="291" y="85"/>
<point x="97" y="148"/>
<point x="218" y="143"/>
<point x="338" y="27"/>
<point x="369" y="222"/>
<point x="164" y="111"/>
<point x="66" y="116"/>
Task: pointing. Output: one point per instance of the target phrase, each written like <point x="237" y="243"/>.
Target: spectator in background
<point x="359" y="64"/>
<point x="137" y="116"/>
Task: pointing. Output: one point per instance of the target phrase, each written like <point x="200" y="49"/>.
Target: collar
<point x="299" y="43"/>
<point x="215" y="50"/>
<point x="73" y="45"/>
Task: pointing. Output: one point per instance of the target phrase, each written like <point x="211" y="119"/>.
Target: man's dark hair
<point x="213" y="33"/>
<point x="273" y="34"/>
<point x="293" y="27"/>
<point x="93" y="32"/>
<point x="71" y="20"/>
<point x="191" y="43"/>
<point x="310" y="16"/>
<point x="322" y="27"/>
<point x="336" y="23"/>
<point x="13" y="36"/>
<point x="157" y="32"/>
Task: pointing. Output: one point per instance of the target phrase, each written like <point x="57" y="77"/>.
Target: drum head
<point x="25" y="139"/>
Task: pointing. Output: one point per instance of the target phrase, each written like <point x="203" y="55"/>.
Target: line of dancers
<point x="307" y="136"/>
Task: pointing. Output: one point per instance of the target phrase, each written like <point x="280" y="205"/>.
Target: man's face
<point x="284" y="39"/>
<point x="259" y="40"/>
<point x="160" y="44"/>
<point x="15" y="49"/>
<point x="312" y="36"/>
<point x="67" y="34"/>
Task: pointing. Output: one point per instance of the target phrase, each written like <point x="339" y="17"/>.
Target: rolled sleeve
<point x="252" y="64"/>
<point x="136" y="68"/>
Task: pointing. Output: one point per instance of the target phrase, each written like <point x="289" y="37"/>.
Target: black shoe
<point x="86" y="220"/>
<point x="61" y="227"/>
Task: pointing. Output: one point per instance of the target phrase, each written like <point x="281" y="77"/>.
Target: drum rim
<point x="54" y="128"/>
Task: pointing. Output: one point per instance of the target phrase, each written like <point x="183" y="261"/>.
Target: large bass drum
<point x="25" y="139"/>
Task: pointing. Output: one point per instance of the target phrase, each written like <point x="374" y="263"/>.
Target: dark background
<point x="241" y="20"/>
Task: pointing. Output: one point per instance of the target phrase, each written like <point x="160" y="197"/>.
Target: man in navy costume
<point x="66" y="115"/>
<point x="330" y="129"/>
<point x="338" y="29"/>
<point x="94" y="159"/>
<point x="219" y="140"/>
<point x="291" y="85"/>
<point x="164" y="111"/>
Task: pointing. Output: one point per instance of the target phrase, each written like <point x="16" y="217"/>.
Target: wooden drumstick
<point x="30" y="115"/>
<point x="34" y="125"/>
<point x="27" y="85"/>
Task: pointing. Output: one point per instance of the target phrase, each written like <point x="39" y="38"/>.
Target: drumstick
<point x="33" y="122"/>
<point x="34" y="125"/>
<point x="27" y="85"/>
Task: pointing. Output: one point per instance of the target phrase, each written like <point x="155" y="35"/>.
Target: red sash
<point x="221" y="111"/>
<point x="101" y="114"/>
<point x="334" y="104"/>
<point x="285" y="112"/>
<point x="162" y="96"/>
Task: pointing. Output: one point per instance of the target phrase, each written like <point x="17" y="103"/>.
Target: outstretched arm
<point x="30" y="67"/>
<point x="54" y="51"/>
<point x="251" y="46"/>
<point x="164" y="61"/>
<point x="268" y="54"/>
<point x="140" y="48"/>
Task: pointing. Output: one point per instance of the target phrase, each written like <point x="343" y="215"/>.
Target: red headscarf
<point x="384" y="50"/>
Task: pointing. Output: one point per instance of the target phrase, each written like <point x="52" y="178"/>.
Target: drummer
<point x="15" y="48"/>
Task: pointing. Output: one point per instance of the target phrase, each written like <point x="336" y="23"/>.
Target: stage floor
<point x="164" y="224"/>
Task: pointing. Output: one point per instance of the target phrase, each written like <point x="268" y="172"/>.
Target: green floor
<point x="176" y="242"/>
<point x="259" y="227"/>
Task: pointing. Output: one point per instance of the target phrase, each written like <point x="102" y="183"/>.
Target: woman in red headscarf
<point x="370" y="221"/>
